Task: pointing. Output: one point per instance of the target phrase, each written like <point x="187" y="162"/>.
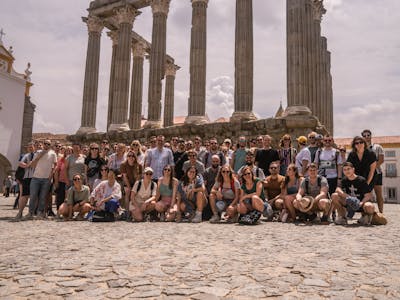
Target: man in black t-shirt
<point x="180" y="156"/>
<point x="266" y="155"/>
<point x="354" y="188"/>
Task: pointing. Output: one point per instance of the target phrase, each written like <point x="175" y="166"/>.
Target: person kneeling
<point x="143" y="196"/>
<point x="354" y="196"/>
<point x="77" y="200"/>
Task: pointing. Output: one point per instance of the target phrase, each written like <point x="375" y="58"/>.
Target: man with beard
<point x="180" y="156"/>
<point x="209" y="180"/>
<point x="213" y="151"/>
<point x="266" y="155"/>
<point x="258" y="172"/>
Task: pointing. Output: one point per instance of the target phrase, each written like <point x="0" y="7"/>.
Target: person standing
<point x="239" y="155"/>
<point x="266" y="155"/>
<point x="380" y="158"/>
<point x="303" y="157"/>
<point x="159" y="157"/>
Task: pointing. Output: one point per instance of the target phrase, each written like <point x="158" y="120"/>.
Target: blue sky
<point x="362" y="36"/>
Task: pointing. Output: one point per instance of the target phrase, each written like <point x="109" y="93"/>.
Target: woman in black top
<point x="363" y="159"/>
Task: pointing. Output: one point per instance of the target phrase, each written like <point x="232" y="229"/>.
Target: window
<point x="390" y="153"/>
<point x="391" y="170"/>
<point x="391" y="193"/>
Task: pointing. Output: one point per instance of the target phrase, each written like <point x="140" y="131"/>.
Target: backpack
<point x="140" y="185"/>
<point x="251" y="218"/>
<point x="101" y="216"/>
<point x="318" y="154"/>
<point x="307" y="183"/>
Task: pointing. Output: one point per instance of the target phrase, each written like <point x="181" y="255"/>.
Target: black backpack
<point x="19" y="174"/>
<point x="140" y="185"/>
<point x="307" y="183"/>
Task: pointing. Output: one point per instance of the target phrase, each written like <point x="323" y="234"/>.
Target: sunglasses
<point x="225" y="172"/>
<point x="130" y="155"/>
<point x="342" y="150"/>
<point x="133" y="145"/>
<point x="311" y="137"/>
<point x="366" y="135"/>
<point x="327" y="141"/>
<point x="358" y="143"/>
<point x="191" y="155"/>
<point x="94" y="148"/>
<point x="77" y="179"/>
<point x="245" y="174"/>
<point x="167" y="170"/>
<point x="47" y="144"/>
<point x="148" y="173"/>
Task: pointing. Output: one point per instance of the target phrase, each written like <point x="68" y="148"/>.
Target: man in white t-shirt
<point x="44" y="163"/>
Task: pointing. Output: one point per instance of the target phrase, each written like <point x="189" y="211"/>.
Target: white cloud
<point x="220" y="97"/>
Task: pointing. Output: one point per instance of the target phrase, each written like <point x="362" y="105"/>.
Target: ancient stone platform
<point x="82" y="260"/>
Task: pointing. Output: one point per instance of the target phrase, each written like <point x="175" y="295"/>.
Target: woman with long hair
<point x="289" y="191"/>
<point x="363" y="160"/>
<point x="166" y="203"/>
<point x="136" y="147"/>
<point x="251" y="193"/>
<point x="224" y="195"/>
<point x="59" y="178"/>
<point x="103" y="175"/>
<point x="191" y="196"/>
<point x="287" y="154"/>
<point x="93" y="164"/>
<point x="131" y="171"/>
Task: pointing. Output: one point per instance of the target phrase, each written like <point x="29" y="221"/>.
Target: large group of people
<point x="193" y="181"/>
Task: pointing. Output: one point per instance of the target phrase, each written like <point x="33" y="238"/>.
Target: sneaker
<point x="283" y="216"/>
<point x="233" y="220"/>
<point x="28" y="216"/>
<point x="197" y="217"/>
<point x="268" y="211"/>
<point x="18" y="217"/>
<point x="41" y="216"/>
<point x="215" y="218"/>
<point x="325" y="220"/>
<point x="365" y="220"/>
<point x="340" y="220"/>
<point x="50" y="213"/>
<point x="316" y="219"/>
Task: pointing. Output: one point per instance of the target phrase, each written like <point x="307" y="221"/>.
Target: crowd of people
<point x="196" y="180"/>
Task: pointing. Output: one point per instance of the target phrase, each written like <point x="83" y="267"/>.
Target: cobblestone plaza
<point x="121" y="260"/>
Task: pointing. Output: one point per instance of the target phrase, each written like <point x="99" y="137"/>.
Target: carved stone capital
<point x="113" y="36"/>
<point x="170" y="69"/>
<point x="126" y="14"/>
<point x="138" y="49"/>
<point x="94" y="24"/>
<point x="318" y="9"/>
<point x="204" y="1"/>
<point x="160" y="6"/>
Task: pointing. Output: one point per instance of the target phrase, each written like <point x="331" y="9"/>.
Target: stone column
<point x="89" y="103"/>
<point x="160" y="10"/>
<point x="198" y="60"/>
<point x="321" y="113"/>
<point x="114" y="37"/>
<point x="135" y="108"/>
<point x="119" y="116"/>
<point x="170" y="72"/>
<point x="244" y="61"/>
<point x="329" y="95"/>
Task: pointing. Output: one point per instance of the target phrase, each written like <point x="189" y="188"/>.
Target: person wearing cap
<point x="228" y="145"/>
<point x="354" y="193"/>
<point x="316" y="187"/>
<point x="266" y="155"/>
<point x="379" y="153"/>
<point x="143" y="196"/>
<point x="303" y="157"/>
<point x="239" y="155"/>
<point x="159" y="157"/>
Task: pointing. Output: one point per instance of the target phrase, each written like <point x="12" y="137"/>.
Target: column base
<point x="197" y="120"/>
<point x="85" y="130"/>
<point x="152" y="124"/>
<point x="238" y="116"/>
<point x="119" y="127"/>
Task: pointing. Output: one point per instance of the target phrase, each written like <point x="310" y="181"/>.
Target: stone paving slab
<point x="83" y="260"/>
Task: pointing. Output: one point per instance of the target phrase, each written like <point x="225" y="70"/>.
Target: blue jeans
<point x="39" y="189"/>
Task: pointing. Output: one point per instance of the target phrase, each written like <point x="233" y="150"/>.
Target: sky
<point x="363" y="37"/>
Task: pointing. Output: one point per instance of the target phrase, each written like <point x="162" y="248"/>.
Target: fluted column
<point x="321" y="114"/>
<point x="198" y="60"/>
<point x="329" y="96"/>
<point x="114" y="37"/>
<point x="119" y="116"/>
<point x="170" y="72"/>
<point x="135" y="108"/>
<point x="160" y="10"/>
<point x="89" y="103"/>
<point x="244" y="61"/>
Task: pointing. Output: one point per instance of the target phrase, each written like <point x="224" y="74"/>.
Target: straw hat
<point x="306" y="204"/>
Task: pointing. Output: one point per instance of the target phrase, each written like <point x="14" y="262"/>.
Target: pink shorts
<point x="166" y="200"/>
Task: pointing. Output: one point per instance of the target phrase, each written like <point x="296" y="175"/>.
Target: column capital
<point x="318" y="9"/>
<point x="138" y="49"/>
<point x="203" y="1"/>
<point x="126" y="14"/>
<point x="170" y="69"/>
<point x="94" y="24"/>
<point x="160" y="6"/>
<point x="113" y="36"/>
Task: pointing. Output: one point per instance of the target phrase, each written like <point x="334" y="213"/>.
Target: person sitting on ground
<point x="317" y="187"/>
<point x="193" y="162"/>
<point x="224" y="195"/>
<point x="143" y="196"/>
<point x="273" y="187"/>
<point x="166" y="203"/>
<point x="251" y="193"/>
<point x="106" y="195"/>
<point x="77" y="200"/>
<point x="289" y="191"/>
<point x="191" y="196"/>
<point x="354" y="196"/>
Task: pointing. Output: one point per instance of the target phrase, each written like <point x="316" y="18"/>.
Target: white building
<point x="391" y="179"/>
<point x="16" y="112"/>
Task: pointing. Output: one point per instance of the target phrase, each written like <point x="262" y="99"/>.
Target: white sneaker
<point x="214" y="219"/>
<point x="340" y="220"/>
<point x="197" y="217"/>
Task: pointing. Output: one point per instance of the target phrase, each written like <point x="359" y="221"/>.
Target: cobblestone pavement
<point x="82" y="260"/>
